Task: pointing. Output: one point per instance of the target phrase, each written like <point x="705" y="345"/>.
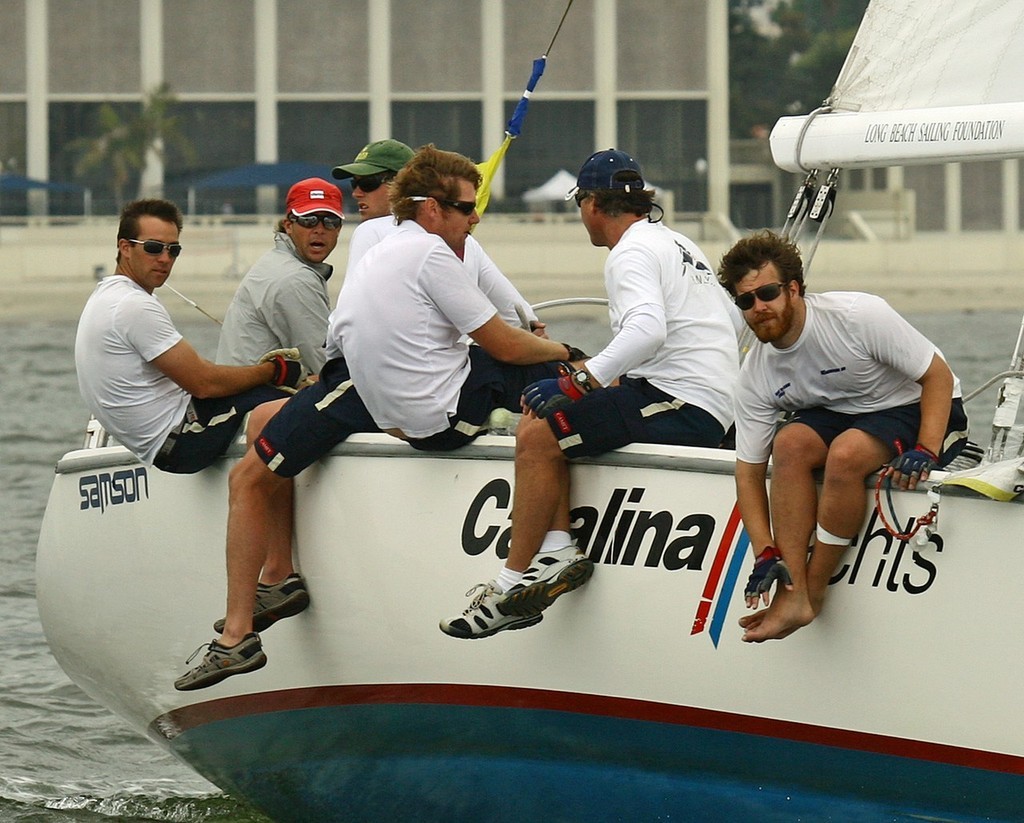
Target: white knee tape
<point x="831" y="539"/>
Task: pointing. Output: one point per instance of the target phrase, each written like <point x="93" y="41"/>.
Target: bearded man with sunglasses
<point x="141" y="379"/>
<point x="858" y="386"/>
<point x="282" y="301"/>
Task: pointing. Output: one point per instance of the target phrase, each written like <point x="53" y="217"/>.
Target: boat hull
<point x="634" y="693"/>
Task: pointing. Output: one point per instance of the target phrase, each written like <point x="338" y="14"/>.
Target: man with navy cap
<point x="667" y="376"/>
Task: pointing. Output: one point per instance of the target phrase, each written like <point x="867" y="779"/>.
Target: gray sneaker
<point x="273" y="602"/>
<point x="221" y="662"/>
<point x="485" y="616"/>
<point x="551" y="575"/>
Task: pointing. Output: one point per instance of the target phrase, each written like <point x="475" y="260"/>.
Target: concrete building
<point x="314" y="80"/>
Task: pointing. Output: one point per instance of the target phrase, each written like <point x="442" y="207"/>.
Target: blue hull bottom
<point x="450" y="763"/>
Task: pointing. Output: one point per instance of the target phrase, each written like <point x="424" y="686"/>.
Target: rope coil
<point x="927" y="519"/>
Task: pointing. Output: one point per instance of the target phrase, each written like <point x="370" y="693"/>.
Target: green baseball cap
<point x="382" y="155"/>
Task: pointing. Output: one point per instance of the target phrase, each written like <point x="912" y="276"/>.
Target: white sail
<point x="925" y="81"/>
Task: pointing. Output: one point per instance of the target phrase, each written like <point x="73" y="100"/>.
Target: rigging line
<point x="193" y="304"/>
<point x="547" y="51"/>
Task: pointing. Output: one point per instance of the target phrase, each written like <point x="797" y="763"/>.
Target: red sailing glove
<point x="288" y="371"/>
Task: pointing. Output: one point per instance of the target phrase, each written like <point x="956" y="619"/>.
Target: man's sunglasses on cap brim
<point x="308" y="221"/>
<point x="765" y="293"/>
<point x="156" y="248"/>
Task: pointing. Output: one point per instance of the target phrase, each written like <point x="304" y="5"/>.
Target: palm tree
<point x="125" y="145"/>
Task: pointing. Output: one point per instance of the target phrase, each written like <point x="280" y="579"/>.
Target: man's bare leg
<point x="278" y="564"/>
<point x="843" y="503"/>
<point x="253" y="515"/>
<point x="540" y="502"/>
<point x="797" y="453"/>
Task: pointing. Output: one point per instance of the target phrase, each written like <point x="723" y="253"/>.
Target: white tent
<point x="553" y="189"/>
<point x="558" y="186"/>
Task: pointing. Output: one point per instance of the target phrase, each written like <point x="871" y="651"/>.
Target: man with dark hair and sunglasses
<point x="667" y="376"/>
<point x="282" y="302"/>
<point x="860" y="387"/>
<point x="402" y="366"/>
<point x="141" y="379"/>
<point x="371" y="172"/>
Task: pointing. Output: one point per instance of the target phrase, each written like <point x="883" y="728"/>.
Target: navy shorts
<point x="632" y="412"/>
<point x="897" y="427"/>
<point x="314" y="421"/>
<point x="490" y="385"/>
<point x="209" y="427"/>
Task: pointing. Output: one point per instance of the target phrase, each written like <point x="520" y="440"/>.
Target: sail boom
<point x="949" y="134"/>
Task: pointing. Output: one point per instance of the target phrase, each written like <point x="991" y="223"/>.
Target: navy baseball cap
<point x="608" y="169"/>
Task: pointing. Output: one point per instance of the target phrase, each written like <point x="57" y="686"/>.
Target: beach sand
<point x="48" y="271"/>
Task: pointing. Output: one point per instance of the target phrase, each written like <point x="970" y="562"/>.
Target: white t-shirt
<point x="367" y="235"/>
<point x="122" y="329"/>
<point x="485" y="272"/>
<point x="672" y="320"/>
<point x="401" y="314"/>
<point x="856" y="354"/>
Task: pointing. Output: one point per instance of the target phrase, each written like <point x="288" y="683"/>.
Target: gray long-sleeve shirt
<point x="281" y="302"/>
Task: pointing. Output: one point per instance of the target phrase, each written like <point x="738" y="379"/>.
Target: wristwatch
<point x="582" y="380"/>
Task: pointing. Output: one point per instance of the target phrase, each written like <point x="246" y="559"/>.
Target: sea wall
<point x="48" y="270"/>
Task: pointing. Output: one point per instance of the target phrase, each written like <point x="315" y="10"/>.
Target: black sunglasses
<point x="467" y="207"/>
<point x="765" y="293"/>
<point x="308" y="221"/>
<point x="371" y="182"/>
<point x="156" y="248"/>
<point x="580" y="196"/>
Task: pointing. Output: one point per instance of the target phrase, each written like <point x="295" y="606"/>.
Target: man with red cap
<point x="282" y="301"/>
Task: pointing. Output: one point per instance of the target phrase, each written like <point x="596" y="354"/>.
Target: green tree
<point x="791" y="69"/>
<point x="124" y="144"/>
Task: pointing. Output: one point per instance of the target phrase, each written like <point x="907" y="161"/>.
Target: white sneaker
<point x="551" y="575"/>
<point x="484" y="616"/>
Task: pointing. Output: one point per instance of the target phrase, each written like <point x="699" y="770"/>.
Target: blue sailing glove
<point x="548" y="396"/>
<point x="769" y="567"/>
<point x="919" y="460"/>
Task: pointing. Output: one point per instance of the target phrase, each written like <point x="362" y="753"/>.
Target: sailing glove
<point x="548" y="396"/>
<point x="918" y="460"/>
<point x="769" y="567"/>
<point x="288" y="371"/>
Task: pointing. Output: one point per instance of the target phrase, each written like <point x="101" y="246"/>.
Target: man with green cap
<point x="373" y="168"/>
<point x="371" y="172"/>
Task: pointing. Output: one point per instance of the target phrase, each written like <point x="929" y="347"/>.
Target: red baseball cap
<point x="313" y="195"/>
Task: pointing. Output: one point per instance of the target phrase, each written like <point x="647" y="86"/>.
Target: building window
<point x="929" y="186"/>
<point x="982" y="195"/>
<point x="221" y="137"/>
<point x="450" y="125"/>
<point x="669" y="139"/>
<point x="556" y="135"/>
<point x="74" y="129"/>
<point x="321" y="132"/>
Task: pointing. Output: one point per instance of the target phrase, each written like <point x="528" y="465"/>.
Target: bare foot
<point x="750" y="620"/>
<point x="785" y="615"/>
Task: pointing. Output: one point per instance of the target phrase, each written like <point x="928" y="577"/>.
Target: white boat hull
<point x="906" y="689"/>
